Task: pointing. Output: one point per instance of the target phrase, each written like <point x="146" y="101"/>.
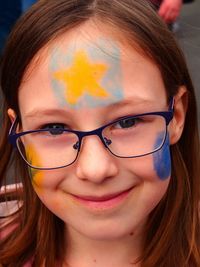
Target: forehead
<point x="118" y="72"/>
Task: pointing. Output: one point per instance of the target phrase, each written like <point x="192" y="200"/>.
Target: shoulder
<point x="8" y="217"/>
<point x="8" y="209"/>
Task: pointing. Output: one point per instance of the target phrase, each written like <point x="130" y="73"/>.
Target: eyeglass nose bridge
<point x="98" y="132"/>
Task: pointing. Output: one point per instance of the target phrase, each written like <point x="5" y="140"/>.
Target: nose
<point x="95" y="163"/>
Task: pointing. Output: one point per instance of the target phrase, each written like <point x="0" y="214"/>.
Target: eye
<point x="127" y="123"/>
<point x="54" y="128"/>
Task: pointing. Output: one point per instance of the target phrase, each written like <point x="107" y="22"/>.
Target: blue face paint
<point x="162" y="158"/>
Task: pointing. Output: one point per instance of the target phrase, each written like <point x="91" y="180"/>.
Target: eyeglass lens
<point x="131" y="137"/>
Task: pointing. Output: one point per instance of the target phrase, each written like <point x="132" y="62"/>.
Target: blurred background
<point x="188" y="35"/>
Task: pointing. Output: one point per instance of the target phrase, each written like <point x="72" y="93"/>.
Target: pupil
<point x="56" y="129"/>
<point x="127" y="123"/>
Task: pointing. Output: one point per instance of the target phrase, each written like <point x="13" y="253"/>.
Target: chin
<point x="108" y="232"/>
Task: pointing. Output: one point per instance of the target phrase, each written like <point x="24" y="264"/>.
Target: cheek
<point x="150" y="196"/>
<point x="37" y="178"/>
<point x="34" y="159"/>
<point x="48" y="184"/>
<point x="156" y="166"/>
<point x="42" y="179"/>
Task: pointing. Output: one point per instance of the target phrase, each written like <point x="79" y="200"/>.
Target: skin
<point x="90" y="84"/>
<point x="36" y="175"/>
<point x="105" y="236"/>
<point x="100" y="82"/>
<point x="170" y="10"/>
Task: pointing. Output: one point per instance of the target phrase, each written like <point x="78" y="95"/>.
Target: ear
<point x="11" y="114"/>
<point x="176" y="126"/>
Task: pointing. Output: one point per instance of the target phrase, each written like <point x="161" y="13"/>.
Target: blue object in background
<point x="26" y="4"/>
<point x="10" y="11"/>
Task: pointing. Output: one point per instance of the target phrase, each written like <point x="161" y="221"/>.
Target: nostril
<point x="107" y="141"/>
<point x="76" y="146"/>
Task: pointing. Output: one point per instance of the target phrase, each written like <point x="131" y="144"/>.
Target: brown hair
<point x="173" y="237"/>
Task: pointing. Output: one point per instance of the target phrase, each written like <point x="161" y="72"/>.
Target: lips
<point x="102" y="203"/>
<point x="102" y="198"/>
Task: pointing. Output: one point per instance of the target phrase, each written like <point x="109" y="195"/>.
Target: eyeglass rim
<point x="66" y="165"/>
<point x="13" y="137"/>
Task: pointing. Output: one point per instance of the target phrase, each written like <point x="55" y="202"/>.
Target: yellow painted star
<point x="82" y="77"/>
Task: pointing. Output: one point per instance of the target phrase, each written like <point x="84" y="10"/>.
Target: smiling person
<point x="101" y="118"/>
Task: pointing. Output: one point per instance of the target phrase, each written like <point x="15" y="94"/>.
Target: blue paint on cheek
<point x="162" y="159"/>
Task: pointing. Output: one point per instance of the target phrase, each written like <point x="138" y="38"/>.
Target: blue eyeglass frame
<point x="13" y="136"/>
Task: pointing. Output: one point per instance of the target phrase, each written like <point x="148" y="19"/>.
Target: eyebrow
<point x="47" y="112"/>
<point x="117" y="105"/>
<point x="130" y="102"/>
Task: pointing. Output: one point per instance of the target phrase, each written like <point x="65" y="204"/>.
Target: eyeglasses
<point x="129" y="137"/>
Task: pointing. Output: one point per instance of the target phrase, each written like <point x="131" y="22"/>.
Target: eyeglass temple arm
<point x="171" y="103"/>
<point x="11" y="134"/>
<point x="13" y="126"/>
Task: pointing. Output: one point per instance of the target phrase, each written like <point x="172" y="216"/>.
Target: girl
<point x="101" y="117"/>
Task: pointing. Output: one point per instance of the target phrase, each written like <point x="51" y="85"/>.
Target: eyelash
<point x="54" y="128"/>
<point x="48" y="125"/>
<point x="65" y="126"/>
<point x="135" y="121"/>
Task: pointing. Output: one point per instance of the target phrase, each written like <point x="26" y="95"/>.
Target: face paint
<point x="35" y="174"/>
<point x="81" y="82"/>
<point x="87" y="75"/>
<point x="162" y="159"/>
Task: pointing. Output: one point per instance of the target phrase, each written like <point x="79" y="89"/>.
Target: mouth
<point x="102" y="202"/>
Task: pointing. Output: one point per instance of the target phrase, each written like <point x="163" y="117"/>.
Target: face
<point x="83" y="81"/>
